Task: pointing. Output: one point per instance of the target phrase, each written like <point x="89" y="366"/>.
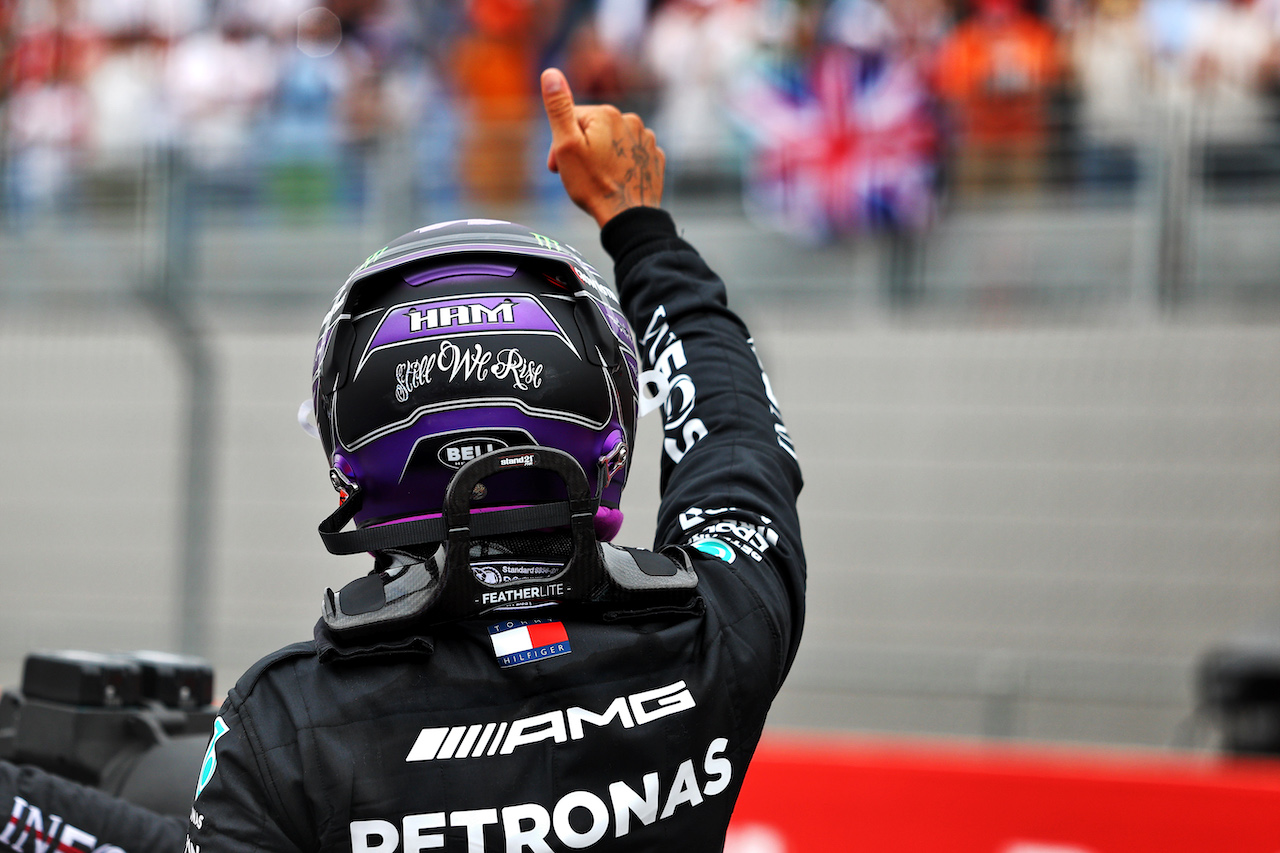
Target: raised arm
<point x="730" y="477"/>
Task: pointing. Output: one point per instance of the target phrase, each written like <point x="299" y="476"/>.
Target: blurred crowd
<point x="834" y="116"/>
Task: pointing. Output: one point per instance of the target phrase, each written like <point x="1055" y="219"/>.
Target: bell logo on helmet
<point x="452" y="450"/>
<point x="459" y="452"/>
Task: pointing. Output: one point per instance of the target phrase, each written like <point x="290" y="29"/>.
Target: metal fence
<point x="1171" y="217"/>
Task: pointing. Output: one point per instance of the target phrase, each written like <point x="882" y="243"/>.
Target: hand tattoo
<point x="637" y="186"/>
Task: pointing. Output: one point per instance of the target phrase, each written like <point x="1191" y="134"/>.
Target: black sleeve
<point x="238" y="804"/>
<point x="730" y="478"/>
<point x="47" y="812"/>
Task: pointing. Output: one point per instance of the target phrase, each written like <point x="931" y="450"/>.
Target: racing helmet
<point x="463" y="338"/>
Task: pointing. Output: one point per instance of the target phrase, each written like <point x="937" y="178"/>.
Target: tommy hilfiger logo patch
<point x="518" y="641"/>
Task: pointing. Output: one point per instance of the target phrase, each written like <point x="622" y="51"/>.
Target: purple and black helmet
<point x="466" y="337"/>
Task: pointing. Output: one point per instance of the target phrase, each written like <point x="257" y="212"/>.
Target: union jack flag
<point x="842" y="143"/>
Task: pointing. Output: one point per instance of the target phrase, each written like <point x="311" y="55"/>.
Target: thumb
<point x="558" y="102"/>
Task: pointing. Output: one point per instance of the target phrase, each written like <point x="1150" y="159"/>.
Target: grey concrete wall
<point x="1042" y="528"/>
<point x="1027" y="531"/>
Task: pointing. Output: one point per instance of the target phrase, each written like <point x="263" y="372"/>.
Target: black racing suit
<point x="636" y="733"/>
<point x="639" y="736"/>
